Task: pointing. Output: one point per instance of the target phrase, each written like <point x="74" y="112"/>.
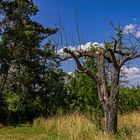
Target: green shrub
<point x="129" y="99"/>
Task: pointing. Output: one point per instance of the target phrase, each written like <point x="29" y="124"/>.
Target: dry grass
<point x="78" y="127"/>
<point x="129" y="126"/>
<point x="73" y="127"/>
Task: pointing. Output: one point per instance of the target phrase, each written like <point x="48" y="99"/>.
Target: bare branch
<point x="80" y="66"/>
<point x="130" y="57"/>
<point x="116" y="65"/>
<point x="79" y="54"/>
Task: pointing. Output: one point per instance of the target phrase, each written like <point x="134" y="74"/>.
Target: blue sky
<point x="93" y="17"/>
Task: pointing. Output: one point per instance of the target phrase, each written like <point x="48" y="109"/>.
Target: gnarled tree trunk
<point x="108" y="99"/>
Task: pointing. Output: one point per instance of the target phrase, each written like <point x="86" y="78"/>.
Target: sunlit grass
<point x="72" y="127"/>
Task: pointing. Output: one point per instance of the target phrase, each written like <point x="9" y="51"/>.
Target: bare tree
<point x="117" y="52"/>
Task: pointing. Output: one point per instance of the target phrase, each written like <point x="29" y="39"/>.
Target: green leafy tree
<point x="81" y="91"/>
<point x="24" y="60"/>
<point x="129" y="99"/>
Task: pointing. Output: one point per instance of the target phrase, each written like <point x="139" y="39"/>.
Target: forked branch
<point x="81" y="67"/>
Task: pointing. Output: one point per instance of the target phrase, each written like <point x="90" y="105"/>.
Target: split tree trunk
<point x="109" y="99"/>
<point x="110" y="107"/>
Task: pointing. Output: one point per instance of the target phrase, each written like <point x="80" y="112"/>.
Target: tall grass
<point x="72" y="127"/>
<point x="78" y="127"/>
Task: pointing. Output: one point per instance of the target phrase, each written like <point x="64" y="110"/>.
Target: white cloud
<point x="131" y="71"/>
<point x="69" y="73"/>
<point x="130" y="28"/>
<point x="90" y="45"/>
<point x="138" y="34"/>
<point x="82" y="47"/>
<point x="62" y="53"/>
<point x="132" y="75"/>
<point x="86" y="46"/>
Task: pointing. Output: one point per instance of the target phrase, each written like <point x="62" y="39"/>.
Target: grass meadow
<point x="72" y="127"/>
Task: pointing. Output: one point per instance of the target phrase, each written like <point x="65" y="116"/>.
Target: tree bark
<point x="111" y="117"/>
<point x="108" y="99"/>
<point x="110" y="107"/>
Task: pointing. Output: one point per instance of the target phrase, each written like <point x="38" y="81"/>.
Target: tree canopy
<point x="26" y="63"/>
